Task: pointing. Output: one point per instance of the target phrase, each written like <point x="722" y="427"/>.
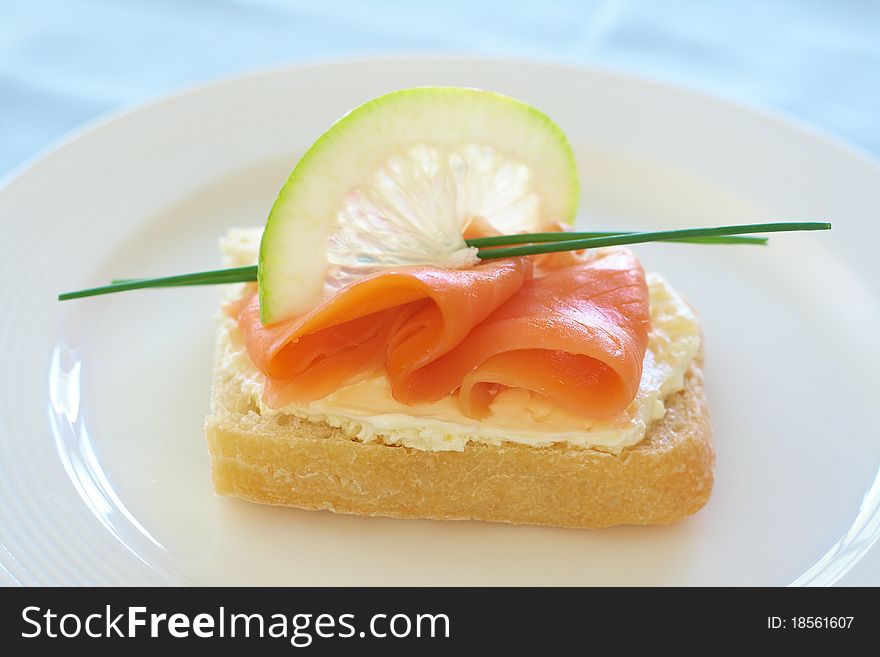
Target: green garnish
<point x="540" y="238"/>
<point x="539" y="243"/>
<point x="533" y="244"/>
<point x="214" y="277"/>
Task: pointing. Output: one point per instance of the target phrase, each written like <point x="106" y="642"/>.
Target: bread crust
<point x="288" y="461"/>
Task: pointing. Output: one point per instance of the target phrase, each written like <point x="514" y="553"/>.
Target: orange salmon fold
<point x="576" y="335"/>
<point x="416" y="313"/>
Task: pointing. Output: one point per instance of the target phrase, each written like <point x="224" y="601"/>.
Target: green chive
<point x="533" y="238"/>
<point x="534" y="244"/>
<point x="215" y="277"/>
<point x="218" y="276"/>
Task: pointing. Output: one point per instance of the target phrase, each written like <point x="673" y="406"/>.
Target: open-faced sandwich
<point x="382" y="368"/>
<point x="418" y="333"/>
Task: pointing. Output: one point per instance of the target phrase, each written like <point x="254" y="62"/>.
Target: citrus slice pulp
<point x="397" y="180"/>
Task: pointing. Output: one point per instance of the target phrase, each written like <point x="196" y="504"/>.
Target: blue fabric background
<point x="64" y="62"/>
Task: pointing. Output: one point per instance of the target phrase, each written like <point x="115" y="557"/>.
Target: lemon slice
<point x="396" y="181"/>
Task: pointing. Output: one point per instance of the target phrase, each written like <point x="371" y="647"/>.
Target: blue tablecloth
<point x="64" y="62"/>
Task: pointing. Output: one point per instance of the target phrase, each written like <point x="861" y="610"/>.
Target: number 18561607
<point x="810" y="622"/>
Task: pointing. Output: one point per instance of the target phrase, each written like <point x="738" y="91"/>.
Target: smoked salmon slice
<point x="425" y="311"/>
<point x="576" y="334"/>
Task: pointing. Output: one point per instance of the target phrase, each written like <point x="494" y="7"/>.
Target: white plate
<point x="103" y="470"/>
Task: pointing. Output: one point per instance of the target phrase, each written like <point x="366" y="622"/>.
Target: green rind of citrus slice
<point x="395" y="181"/>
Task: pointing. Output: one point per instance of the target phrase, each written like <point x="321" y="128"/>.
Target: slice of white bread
<point x="289" y="461"/>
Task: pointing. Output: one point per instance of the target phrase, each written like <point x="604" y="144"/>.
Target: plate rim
<point x="779" y="116"/>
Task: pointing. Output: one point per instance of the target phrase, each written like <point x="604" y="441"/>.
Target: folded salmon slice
<point x="577" y="335"/>
<point x="422" y="311"/>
